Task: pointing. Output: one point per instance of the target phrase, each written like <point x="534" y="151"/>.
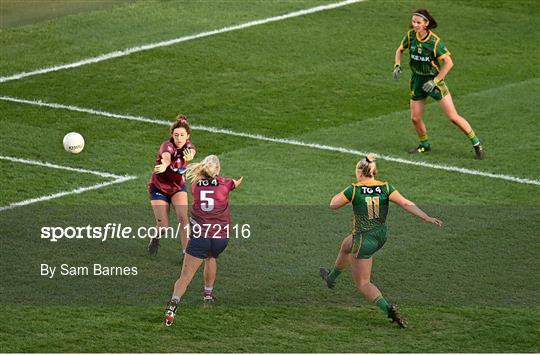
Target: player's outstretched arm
<point x="410" y="207"/>
<point x="238" y="182"/>
<point x="165" y="162"/>
<point x="338" y="201"/>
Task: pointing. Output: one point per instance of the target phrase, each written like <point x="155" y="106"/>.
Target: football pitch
<point x="290" y="95"/>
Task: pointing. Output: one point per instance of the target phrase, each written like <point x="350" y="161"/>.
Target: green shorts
<point x="417" y="93"/>
<point x="365" y="244"/>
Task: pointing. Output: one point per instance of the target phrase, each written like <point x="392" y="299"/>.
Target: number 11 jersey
<point x="370" y="200"/>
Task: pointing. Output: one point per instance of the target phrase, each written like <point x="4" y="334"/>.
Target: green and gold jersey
<point x="424" y="54"/>
<point x="370" y="200"/>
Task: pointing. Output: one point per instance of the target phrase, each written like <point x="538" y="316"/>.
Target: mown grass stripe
<point x="295" y="142"/>
<point x="149" y="46"/>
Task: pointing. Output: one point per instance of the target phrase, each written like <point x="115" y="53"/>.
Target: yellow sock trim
<point x="471" y="135"/>
<point x="423" y="137"/>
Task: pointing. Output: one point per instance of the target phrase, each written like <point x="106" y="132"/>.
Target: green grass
<point x="272" y="329"/>
<point x="69" y="39"/>
<point x="325" y="78"/>
<point x="14" y="13"/>
<point x="16" y="176"/>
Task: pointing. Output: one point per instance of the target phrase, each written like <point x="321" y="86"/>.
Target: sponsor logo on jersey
<point x="420" y="58"/>
<point x="205" y="182"/>
<point x="371" y="190"/>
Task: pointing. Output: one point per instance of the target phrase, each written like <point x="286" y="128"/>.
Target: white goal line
<point x="294" y="142"/>
<point x="117" y="179"/>
<point x="128" y="51"/>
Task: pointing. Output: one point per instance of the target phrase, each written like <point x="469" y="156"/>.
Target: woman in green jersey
<point x="430" y="62"/>
<point x="370" y="199"/>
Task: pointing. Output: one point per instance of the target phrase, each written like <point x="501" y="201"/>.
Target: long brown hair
<point x="424" y="13"/>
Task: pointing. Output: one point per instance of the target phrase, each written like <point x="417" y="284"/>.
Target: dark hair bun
<point x="181" y="118"/>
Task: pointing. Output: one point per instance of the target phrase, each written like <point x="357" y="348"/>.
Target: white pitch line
<point x="64" y="193"/>
<point x="84" y="110"/>
<point x="128" y="51"/>
<point x="117" y="179"/>
<point x="55" y="166"/>
<point x="444" y="167"/>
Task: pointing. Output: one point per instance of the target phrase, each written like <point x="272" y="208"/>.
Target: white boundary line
<point x="128" y="51"/>
<point x="117" y="179"/>
<point x="280" y="140"/>
<point x="55" y="166"/>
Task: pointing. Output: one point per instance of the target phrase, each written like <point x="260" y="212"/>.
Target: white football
<point x="73" y="142"/>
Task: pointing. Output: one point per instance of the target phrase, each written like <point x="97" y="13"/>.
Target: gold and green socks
<point x="424" y="141"/>
<point x="474" y="139"/>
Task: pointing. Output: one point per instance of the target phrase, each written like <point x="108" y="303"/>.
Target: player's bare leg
<point x="361" y="271"/>
<point x="447" y="104"/>
<point x="189" y="268"/>
<point x="180" y="203"/>
<point x="417" y="118"/>
<point x="342" y="261"/>
<point x="161" y="214"/>
<point x="210" y="272"/>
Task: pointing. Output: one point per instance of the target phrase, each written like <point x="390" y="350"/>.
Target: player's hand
<point x="435" y="221"/>
<point x="429" y="86"/>
<point x="238" y="182"/>
<point x="189" y="154"/>
<point x="158" y="169"/>
<point x="397" y="72"/>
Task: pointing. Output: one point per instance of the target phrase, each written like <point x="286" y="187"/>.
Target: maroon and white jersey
<point x="210" y="214"/>
<point x="173" y="179"/>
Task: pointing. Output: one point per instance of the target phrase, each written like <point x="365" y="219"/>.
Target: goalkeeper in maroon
<point x="430" y="62"/>
<point x="210" y="229"/>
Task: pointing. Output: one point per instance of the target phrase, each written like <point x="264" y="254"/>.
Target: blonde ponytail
<point x="367" y="165"/>
<point x="208" y="168"/>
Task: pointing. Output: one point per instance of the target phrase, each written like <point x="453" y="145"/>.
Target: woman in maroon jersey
<point x="168" y="182"/>
<point x="210" y="221"/>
